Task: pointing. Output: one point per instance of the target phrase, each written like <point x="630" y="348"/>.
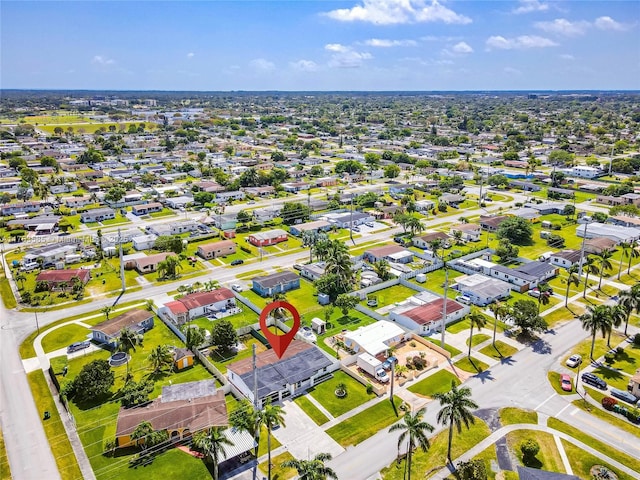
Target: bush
<point x="609" y="357"/>
<point x="608" y="403"/>
<point x="369" y="389"/>
<point x="636" y="339"/>
<point x="619" y="350"/>
<point x="419" y="363"/>
<point x="529" y="448"/>
<point x="472" y="470"/>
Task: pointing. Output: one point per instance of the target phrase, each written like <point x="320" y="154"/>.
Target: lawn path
<point x="320" y="407"/>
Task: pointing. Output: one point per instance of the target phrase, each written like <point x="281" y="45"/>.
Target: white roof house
<point x="375" y="338"/>
<point x="604" y="230"/>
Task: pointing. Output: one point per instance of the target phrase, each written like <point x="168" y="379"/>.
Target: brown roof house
<point x="217" y="249"/>
<point x="216" y="303"/>
<point x="425" y="240"/>
<point x="597" y="245"/>
<point x="149" y="263"/>
<point x="107" y="332"/>
<point x="423" y="312"/>
<point x="63" y="279"/>
<point x="391" y="253"/>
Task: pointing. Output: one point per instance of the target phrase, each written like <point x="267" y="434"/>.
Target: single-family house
<point x="482" y="290"/>
<point x="40" y="223"/>
<point x="526" y="186"/>
<point x="613" y="232"/>
<point x="199" y="304"/>
<point x="424" y="205"/>
<point x="295" y="187"/>
<point x="491" y="223"/>
<point x="316" y="226"/>
<point x="50" y="254"/>
<point x="222" y="197"/>
<point x="348" y="220"/>
<point x="144" y="242"/>
<point x="302" y="366"/>
<point x="425" y="241"/>
<point x="264" y="191"/>
<point x="526" y="276"/>
<point x="97" y="215"/>
<point x="390" y="253"/>
<point x="22" y="207"/>
<point x="76" y="202"/>
<point x="452" y="199"/>
<point x="626" y="199"/>
<point x="634" y="384"/>
<point x="136" y="320"/>
<point x="565" y="258"/>
<point x="269" y="285"/>
<point x="217" y="249"/>
<point x="423" y="312"/>
<point x="547" y="208"/>
<point x="597" y="245"/>
<point x="469" y="232"/>
<point x="270" y="237"/>
<point x="173" y="228"/>
<point x="530" y="214"/>
<point x="147" y="208"/>
<point x="400" y="189"/>
<point x="624" y="221"/>
<point x="149" y="263"/>
<point x="63" y="279"/>
<point x="313" y="271"/>
<point x="374" y="339"/>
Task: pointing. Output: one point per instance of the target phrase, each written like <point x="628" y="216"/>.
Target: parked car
<point x="308" y="334"/>
<point x="237" y="262"/>
<point x="592" y="379"/>
<point x="74" y="347"/>
<point x="565" y="382"/>
<point x="389" y="362"/>
<point x="355" y="229"/>
<point x="574" y="360"/>
<point x="297" y="266"/>
<point x="369" y="224"/>
<point x="236" y="287"/>
<point x="622" y="395"/>
<point x="463" y="299"/>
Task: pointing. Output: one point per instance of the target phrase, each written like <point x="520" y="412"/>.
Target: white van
<point x="463" y="299"/>
<point x="27" y="267"/>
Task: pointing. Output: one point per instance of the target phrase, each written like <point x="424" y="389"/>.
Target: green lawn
<point x="366" y="423"/>
<point x="243" y="319"/>
<point x="474" y="365"/>
<point x="582" y="461"/>
<point x="464" y="324"/>
<point x="173" y="463"/>
<point x="613" y="377"/>
<point x="629" y="360"/>
<point x="614" y="419"/>
<point x="5" y="470"/>
<point x="248" y="342"/>
<point x="478" y="338"/>
<point x="356" y="394"/>
<point x="513" y="415"/>
<point x="262" y="446"/>
<point x="277" y="471"/>
<point x="548" y="458"/>
<point x="53" y="428"/>
<point x="304" y="299"/>
<point x="608" y="450"/>
<point x="391" y="295"/>
<point x="501" y="350"/>
<point x="311" y="410"/>
<point x="436" y="456"/>
<point x="453" y="351"/>
<point x="439" y="382"/>
<point x="583" y="348"/>
<point x="64" y="336"/>
<point x="165" y="212"/>
<point x="6" y="293"/>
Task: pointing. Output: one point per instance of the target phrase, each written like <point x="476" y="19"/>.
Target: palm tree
<point x="160" y="358"/>
<point x="634" y="252"/>
<point x="596" y="319"/>
<point x="590" y="266"/>
<point x="630" y="300"/>
<point x="381" y="267"/>
<point x="476" y="319"/>
<point x="572" y="279"/>
<point x="21" y="277"/>
<point x="413" y="428"/>
<point x="169" y="267"/>
<point x="457" y="237"/>
<point x="543" y="298"/>
<point x="246" y="418"/>
<point x="211" y="443"/>
<point x="313" y="469"/>
<point x="626" y="248"/>
<point x="211" y="285"/>
<point x="128" y="340"/>
<point x="271" y="416"/>
<point x="604" y="262"/>
<point x="106" y="310"/>
<point x="500" y="311"/>
<point x="414" y="224"/>
<point x="456" y="410"/>
<point x="142" y="432"/>
<point x="618" y="315"/>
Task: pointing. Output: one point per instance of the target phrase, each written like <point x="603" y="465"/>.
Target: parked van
<point x="27" y="267"/>
<point x="463" y="299"/>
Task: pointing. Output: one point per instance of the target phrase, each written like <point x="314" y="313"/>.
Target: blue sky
<point x="321" y="45"/>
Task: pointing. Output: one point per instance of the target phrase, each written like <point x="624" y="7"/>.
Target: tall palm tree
<point x="590" y="266"/>
<point x="572" y="279"/>
<point x="543" y="298"/>
<point x="169" y="267"/>
<point x="381" y="267"/>
<point x="626" y="248"/>
<point x="271" y="416"/>
<point x="618" y="315"/>
<point x="476" y="319"/>
<point x="500" y="311"/>
<point x="142" y="432"/>
<point x="160" y="358"/>
<point x="596" y="319"/>
<point x="634" y="252"/>
<point x="630" y="300"/>
<point x="456" y="410"/>
<point x="21" y="277"/>
<point x="128" y="340"/>
<point x="414" y="429"/>
<point x="211" y="443"/>
<point x="313" y="469"/>
<point x="604" y="263"/>
<point x="106" y="310"/>
<point x="246" y="418"/>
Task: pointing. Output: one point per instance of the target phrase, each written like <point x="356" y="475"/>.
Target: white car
<point x="574" y="360"/>
<point x="236" y="287"/>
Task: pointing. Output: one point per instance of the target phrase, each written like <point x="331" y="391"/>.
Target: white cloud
<point x="190" y="55"/>
<point x="102" y="60"/>
<point x="462" y="48"/>
<point x="390" y="12"/>
<point x="522" y="42"/>
<point x="511" y="71"/>
<point x="567" y="56"/>
<point x="385" y="43"/>
<point x="608" y="23"/>
<point x="304" y="65"/>
<point x="346" y="57"/>
<point x="562" y="26"/>
<point x="528" y="6"/>
<point x="262" y="65"/>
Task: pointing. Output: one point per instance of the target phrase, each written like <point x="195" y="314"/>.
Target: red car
<point x="565" y="382"/>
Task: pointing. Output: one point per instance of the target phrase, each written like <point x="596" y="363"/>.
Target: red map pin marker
<point x="279" y="343"/>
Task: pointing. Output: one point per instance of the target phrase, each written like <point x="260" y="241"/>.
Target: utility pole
<point x="351" y="222"/>
<point x="584" y="238"/>
<point x="611" y="158"/>
<point x="255" y="378"/>
<point x="393" y="374"/>
<point x="37" y="326"/>
<point x="122" y="279"/>
<point x="444" y="303"/>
